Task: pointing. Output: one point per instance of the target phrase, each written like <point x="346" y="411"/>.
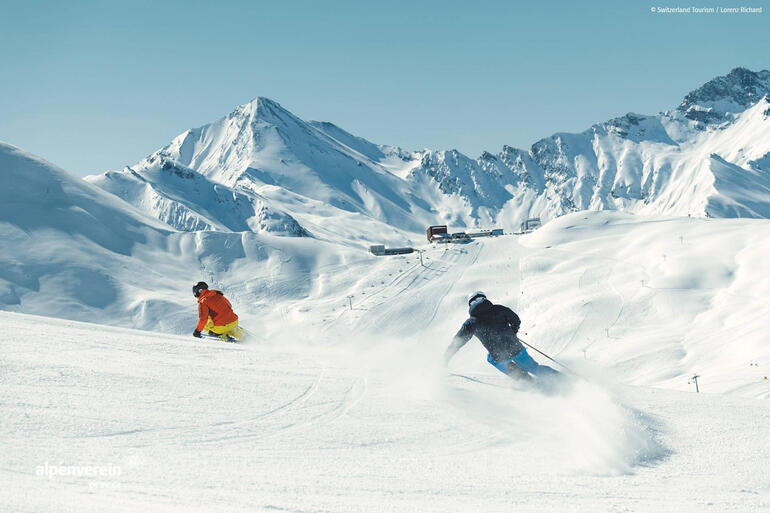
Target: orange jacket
<point x="212" y="303"/>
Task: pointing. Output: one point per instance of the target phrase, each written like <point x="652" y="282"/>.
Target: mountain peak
<point x="261" y="108"/>
<point x="265" y="103"/>
<point x="733" y="92"/>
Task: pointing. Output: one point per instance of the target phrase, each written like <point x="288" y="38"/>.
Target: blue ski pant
<point x="524" y="362"/>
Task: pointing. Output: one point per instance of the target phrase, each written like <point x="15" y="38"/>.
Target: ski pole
<point x="554" y="361"/>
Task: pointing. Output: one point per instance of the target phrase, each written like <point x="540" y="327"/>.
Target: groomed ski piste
<point x="339" y="401"/>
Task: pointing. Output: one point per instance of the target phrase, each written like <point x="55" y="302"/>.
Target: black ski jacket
<point x="494" y="325"/>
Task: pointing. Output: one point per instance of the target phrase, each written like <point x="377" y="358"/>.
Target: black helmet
<point x="198" y="287"/>
<point x="473" y="297"/>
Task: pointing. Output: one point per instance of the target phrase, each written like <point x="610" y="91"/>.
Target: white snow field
<point x="336" y="410"/>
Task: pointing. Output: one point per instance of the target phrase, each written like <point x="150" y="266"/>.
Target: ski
<point x="513" y="385"/>
<point x="228" y="338"/>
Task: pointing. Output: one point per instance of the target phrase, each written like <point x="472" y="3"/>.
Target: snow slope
<point x="65" y="242"/>
<point x="174" y="424"/>
<point x="657" y="300"/>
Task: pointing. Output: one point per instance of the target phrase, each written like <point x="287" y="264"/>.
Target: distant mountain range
<point x="261" y="168"/>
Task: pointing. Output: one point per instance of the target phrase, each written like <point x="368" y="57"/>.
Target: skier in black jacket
<point x="496" y="327"/>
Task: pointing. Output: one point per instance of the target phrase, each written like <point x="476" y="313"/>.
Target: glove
<point x="197" y="334"/>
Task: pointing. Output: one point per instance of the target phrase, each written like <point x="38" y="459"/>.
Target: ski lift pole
<point x="554" y="361"/>
<point x="694" y="379"/>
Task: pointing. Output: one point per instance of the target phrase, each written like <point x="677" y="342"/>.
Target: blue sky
<point x="93" y="86"/>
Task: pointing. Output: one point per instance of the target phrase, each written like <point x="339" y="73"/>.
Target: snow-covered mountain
<point x="720" y="99"/>
<point x="258" y="147"/>
<point x="705" y="158"/>
<point x="189" y="201"/>
<point x="65" y="243"/>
